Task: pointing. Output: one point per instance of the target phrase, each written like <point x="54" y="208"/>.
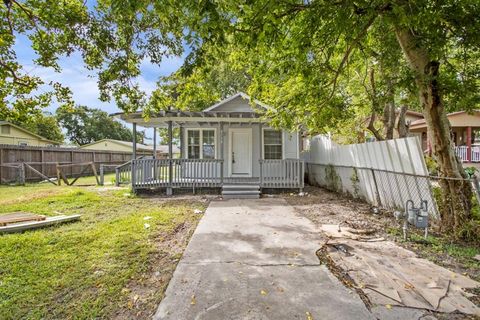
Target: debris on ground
<point x="387" y="273"/>
<point x="22" y="221"/>
<point x="391" y="275"/>
<point x="197" y="211"/>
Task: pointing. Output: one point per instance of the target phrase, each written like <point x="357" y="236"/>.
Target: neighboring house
<point x="117" y="145"/>
<point x="228" y="145"/>
<point x="127" y="146"/>
<point x="465" y="134"/>
<point x="15" y="135"/>
<point x="162" y="151"/>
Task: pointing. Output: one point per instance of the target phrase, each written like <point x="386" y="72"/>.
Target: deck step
<point x="241" y="196"/>
<point x="241" y="187"/>
<point x="241" y="191"/>
<point x="232" y="192"/>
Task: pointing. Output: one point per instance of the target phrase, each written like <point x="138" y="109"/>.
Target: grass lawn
<point x="114" y="263"/>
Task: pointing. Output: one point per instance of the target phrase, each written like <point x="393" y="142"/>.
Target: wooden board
<point x="16" y="217"/>
<point x="49" y="221"/>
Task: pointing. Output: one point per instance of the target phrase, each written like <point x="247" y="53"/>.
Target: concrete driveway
<point x="255" y="259"/>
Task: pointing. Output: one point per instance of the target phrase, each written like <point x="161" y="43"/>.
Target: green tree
<point x="85" y="125"/>
<point x="46" y="125"/>
<point x="300" y="55"/>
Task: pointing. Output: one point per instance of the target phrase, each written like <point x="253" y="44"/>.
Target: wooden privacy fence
<point x="44" y="161"/>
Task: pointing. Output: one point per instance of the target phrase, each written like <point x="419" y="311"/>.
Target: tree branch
<point x="13" y="74"/>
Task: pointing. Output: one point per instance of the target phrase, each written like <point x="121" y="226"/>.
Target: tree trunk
<point x="389" y="112"/>
<point x="375" y="107"/>
<point x="371" y="127"/>
<point x="456" y="194"/>
<point x="402" y="126"/>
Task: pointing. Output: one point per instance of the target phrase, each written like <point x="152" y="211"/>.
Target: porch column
<point x="260" y="154"/>
<point x="182" y="143"/>
<point x="170" y="156"/>
<point x="469" y="144"/>
<point x="170" y="138"/>
<point x="260" y="134"/>
<point x="134" y="151"/>
<point x="222" y="157"/>
<point x="154" y="143"/>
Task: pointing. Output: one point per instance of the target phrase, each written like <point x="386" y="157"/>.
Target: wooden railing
<point x="177" y="173"/>
<point x="286" y="173"/>
<point x="123" y="173"/>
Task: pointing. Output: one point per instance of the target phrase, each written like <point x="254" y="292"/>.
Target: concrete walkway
<point x="255" y="259"/>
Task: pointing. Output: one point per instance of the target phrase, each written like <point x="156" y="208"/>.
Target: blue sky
<point x="83" y="82"/>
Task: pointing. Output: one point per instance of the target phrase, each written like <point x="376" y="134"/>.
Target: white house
<point x="228" y="145"/>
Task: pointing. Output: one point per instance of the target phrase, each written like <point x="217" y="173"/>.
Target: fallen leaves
<point x="309" y="315"/>
<point x="263" y="292"/>
<point x="193" y="301"/>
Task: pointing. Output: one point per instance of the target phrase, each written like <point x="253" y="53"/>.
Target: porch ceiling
<point x="203" y="118"/>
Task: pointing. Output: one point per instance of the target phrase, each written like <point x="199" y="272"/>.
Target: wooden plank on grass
<point x="16" y="217"/>
<point x="19" y="227"/>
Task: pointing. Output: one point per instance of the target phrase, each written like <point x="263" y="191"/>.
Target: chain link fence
<point x="385" y="189"/>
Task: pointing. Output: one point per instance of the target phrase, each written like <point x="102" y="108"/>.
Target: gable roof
<point x="3" y="122"/>
<point x="233" y="97"/>
<point x="421" y="123"/>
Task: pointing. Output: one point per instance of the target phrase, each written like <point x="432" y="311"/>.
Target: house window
<point x="5" y="129"/>
<point x="201" y="144"/>
<point x="193" y="140"/>
<point x="208" y="145"/>
<point x="272" y="144"/>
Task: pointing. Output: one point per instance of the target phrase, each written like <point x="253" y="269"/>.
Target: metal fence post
<point x="476" y="187"/>
<point x="377" y="194"/>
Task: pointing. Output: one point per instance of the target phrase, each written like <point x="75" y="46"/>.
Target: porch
<point x="468" y="154"/>
<point x="209" y="173"/>
<point x="229" y="146"/>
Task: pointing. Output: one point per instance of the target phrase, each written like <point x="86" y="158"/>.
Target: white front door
<point x="240" y="157"/>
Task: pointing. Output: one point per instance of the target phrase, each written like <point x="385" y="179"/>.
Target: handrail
<point x="282" y="173"/>
<point x="169" y="173"/>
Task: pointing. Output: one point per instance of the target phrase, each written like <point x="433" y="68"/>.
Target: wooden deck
<point x="199" y="173"/>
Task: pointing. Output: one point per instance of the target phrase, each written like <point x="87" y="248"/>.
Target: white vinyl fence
<point x="386" y="173"/>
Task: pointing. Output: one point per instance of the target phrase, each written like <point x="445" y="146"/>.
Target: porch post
<point x="170" y="156"/>
<point x="182" y="155"/>
<point x="154" y="143"/>
<point x="134" y="151"/>
<point x="260" y="154"/>
<point x="222" y="164"/>
<point x="469" y="144"/>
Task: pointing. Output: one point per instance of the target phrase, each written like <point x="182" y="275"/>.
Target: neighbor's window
<point x="201" y="144"/>
<point x="272" y="144"/>
<point x="5" y="129"/>
<point x="208" y="144"/>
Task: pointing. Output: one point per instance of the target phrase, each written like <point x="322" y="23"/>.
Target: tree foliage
<point x="311" y="60"/>
<point x="85" y="125"/>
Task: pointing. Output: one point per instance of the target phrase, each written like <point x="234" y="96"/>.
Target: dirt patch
<point x="145" y="293"/>
<point x="325" y="207"/>
<point x="329" y="208"/>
